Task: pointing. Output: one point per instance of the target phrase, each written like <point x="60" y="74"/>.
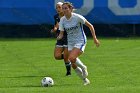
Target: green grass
<point x="114" y="67"/>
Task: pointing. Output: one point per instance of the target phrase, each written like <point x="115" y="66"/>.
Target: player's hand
<point x="60" y="36"/>
<point x="54" y="30"/>
<point x="97" y="42"/>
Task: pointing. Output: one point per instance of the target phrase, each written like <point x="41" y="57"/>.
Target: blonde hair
<point x="70" y="5"/>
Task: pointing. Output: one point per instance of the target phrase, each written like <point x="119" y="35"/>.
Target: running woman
<point x="61" y="49"/>
<point x="72" y="23"/>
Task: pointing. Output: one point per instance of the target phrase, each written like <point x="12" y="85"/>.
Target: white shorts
<point x="80" y="46"/>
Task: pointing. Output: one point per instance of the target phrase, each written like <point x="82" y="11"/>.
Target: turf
<point x="114" y="67"/>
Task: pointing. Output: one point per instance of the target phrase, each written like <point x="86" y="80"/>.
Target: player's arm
<point x="90" y="26"/>
<point x="60" y="36"/>
<point x="61" y="28"/>
<point x="55" y="28"/>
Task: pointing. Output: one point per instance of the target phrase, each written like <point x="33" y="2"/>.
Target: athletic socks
<point x="80" y="64"/>
<point x="79" y="72"/>
<point x="68" y="68"/>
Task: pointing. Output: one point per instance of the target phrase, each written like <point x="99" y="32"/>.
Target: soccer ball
<point x="47" y="82"/>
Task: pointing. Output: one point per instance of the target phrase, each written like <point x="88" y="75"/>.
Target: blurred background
<point x="34" y="18"/>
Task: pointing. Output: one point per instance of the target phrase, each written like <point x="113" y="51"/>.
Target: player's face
<point x="66" y="10"/>
<point x="59" y="8"/>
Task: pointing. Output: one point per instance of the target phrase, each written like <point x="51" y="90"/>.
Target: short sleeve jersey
<point x="74" y="28"/>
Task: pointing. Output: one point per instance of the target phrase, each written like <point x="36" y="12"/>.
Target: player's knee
<point x="57" y="56"/>
<point x="72" y="59"/>
<point x="74" y="66"/>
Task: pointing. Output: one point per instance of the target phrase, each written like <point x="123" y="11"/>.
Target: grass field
<point x="114" y="67"/>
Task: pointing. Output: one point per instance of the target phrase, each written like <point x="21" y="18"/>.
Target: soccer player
<point x="61" y="49"/>
<point x="72" y="23"/>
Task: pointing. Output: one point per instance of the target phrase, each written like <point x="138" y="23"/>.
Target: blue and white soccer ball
<point x="47" y="82"/>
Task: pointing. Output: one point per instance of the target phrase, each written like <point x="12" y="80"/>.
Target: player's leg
<point x="67" y="63"/>
<point x="81" y="48"/>
<point x="61" y="52"/>
<point x="73" y="55"/>
<point x="58" y="53"/>
<point x="82" y="66"/>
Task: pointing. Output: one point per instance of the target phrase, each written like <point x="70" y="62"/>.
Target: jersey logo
<point x="71" y="28"/>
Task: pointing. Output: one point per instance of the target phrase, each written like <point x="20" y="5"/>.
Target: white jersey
<point x="74" y="28"/>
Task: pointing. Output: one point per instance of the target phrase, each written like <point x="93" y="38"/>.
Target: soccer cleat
<point x="86" y="82"/>
<point x="68" y="73"/>
<point x="85" y="72"/>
